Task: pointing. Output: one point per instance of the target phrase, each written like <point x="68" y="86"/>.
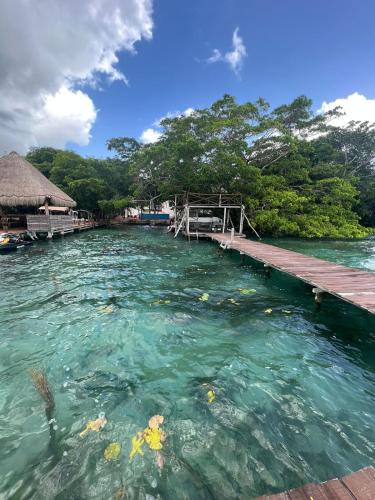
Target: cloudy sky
<point x="76" y="73"/>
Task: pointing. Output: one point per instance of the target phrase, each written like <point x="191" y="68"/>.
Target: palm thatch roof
<point x="21" y="184"/>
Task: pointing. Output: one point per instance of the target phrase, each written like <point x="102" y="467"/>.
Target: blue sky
<point x="324" y="49"/>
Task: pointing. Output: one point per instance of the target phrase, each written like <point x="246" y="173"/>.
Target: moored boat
<point x="10" y="242"/>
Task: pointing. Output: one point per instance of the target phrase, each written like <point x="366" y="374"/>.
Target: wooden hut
<point x="22" y="185"/>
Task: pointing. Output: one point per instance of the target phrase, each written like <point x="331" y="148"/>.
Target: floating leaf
<point x="160" y="301"/>
<point x="211" y="396"/>
<point x="204" y="297"/>
<point x="268" y="311"/>
<point x="94" y="425"/>
<point x="232" y="301"/>
<point x="112" y="452"/>
<point x="286" y="311"/>
<point x="247" y="291"/>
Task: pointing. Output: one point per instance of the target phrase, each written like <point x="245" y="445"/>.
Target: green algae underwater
<point x="114" y="321"/>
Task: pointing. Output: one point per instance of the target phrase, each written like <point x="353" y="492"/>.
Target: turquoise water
<point x="347" y="252"/>
<point x="294" y="390"/>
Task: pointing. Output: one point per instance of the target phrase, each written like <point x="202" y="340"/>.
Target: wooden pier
<point x="351" y="285"/>
<point x="356" y="486"/>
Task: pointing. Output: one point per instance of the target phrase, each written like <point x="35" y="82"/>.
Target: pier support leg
<point x="49" y="235"/>
<point x="267" y="270"/>
<point x="318" y="295"/>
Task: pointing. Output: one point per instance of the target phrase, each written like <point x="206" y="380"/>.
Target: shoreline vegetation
<point x="299" y="175"/>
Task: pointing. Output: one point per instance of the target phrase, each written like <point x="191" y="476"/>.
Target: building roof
<point x="21" y="184"/>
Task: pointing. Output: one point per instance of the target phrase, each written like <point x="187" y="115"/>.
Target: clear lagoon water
<point x="113" y="318"/>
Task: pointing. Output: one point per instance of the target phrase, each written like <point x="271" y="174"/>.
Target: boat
<point x="10" y="242"/>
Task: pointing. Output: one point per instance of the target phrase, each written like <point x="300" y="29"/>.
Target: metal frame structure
<point x="186" y="201"/>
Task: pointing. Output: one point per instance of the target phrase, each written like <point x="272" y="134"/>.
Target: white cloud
<point x="234" y="58"/>
<point x="65" y="114"/>
<point x="215" y="56"/>
<point x="150" y="135"/>
<point x="47" y="50"/>
<point x="355" y="107"/>
<point x="174" y="114"/>
<point x="188" y="112"/>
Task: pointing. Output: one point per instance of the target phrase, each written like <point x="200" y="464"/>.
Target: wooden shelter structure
<point x="22" y="185"/>
<point x="189" y="206"/>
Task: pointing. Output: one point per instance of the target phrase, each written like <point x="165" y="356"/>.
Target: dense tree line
<point x="298" y="174"/>
<point x="95" y="184"/>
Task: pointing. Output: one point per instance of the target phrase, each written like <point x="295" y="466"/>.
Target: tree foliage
<point x="299" y="175"/>
<point x="94" y="184"/>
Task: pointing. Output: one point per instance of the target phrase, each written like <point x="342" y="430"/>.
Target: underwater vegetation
<point x="113" y="451"/>
<point x="40" y="382"/>
<point x="154" y="436"/>
<point x="94" y="425"/>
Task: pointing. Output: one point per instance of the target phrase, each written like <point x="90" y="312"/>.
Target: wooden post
<point x="318" y="295"/>
<point x="225" y="219"/>
<point x="187" y="220"/>
<point x="46" y="212"/>
<point x="241" y="219"/>
<point x="3" y="219"/>
<point x="268" y="270"/>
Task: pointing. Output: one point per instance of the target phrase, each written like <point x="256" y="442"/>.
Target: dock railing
<point x="50" y="224"/>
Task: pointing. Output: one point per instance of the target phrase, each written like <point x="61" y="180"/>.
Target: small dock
<point x="351" y="285"/>
<point x="356" y="486"/>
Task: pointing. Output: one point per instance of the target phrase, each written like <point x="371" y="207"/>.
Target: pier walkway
<point x="352" y="285"/>
<point x="356" y="486"/>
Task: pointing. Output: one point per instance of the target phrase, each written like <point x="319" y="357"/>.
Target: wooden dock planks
<point x="352" y="285"/>
<point x="356" y="486"/>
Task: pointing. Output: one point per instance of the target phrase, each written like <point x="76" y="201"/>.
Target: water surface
<point x="114" y="319"/>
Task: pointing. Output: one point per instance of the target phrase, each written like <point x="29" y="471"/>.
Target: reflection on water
<point x="112" y="318"/>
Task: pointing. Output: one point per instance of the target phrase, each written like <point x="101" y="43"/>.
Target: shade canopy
<point x="55" y="209"/>
<point x="21" y="184"/>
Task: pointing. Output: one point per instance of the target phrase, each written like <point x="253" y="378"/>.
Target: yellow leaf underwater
<point x="154" y="438"/>
<point x="112" y="452"/>
<point x="137" y="442"/>
<point x="152" y="435"/>
<point x="268" y="311"/>
<point x="160" y="301"/>
<point x="247" y="291"/>
<point x="232" y="301"/>
<point x="204" y="297"/>
<point x="211" y="396"/>
<point x="94" y="425"/>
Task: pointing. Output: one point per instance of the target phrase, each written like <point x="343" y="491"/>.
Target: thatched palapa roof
<point x="21" y="184"/>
